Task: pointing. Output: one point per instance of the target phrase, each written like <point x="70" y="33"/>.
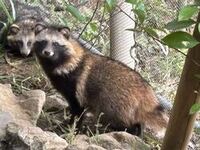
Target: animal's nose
<point x="25" y="52"/>
<point x="48" y="53"/>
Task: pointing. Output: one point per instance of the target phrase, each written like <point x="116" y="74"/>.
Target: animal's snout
<point x="48" y="53"/>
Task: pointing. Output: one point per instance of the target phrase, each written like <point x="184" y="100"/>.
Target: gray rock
<point x="108" y="141"/>
<point x="18" y="116"/>
<point x="10" y="103"/>
<point x="105" y="141"/>
<point x="5" y="118"/>
<point x="34" y="138"/>
<point x="32" y="103"/>
<point x="95" y="147"/>
<point x="55" y="101"/>
<point x="81" y="142"/>
<point x="129" y="141"/>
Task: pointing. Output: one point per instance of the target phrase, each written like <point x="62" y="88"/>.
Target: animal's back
<point x="121" y="94"/>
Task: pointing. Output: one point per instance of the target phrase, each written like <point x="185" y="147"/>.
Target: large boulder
<point x="108" y="141"/>
<point x="18" y="117"/>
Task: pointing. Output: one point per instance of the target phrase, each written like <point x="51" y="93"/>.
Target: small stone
<point x="55" y="101"/>
<point x="106" y="141"/>
<point x="129" y="141"/>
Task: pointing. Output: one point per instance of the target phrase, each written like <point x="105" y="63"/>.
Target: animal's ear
<point x="66" y="32"/>
<point x="14" y="29"/>
<point x="39" y="27"/>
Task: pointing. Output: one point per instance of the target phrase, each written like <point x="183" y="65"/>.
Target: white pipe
<point x="122" y="41"/>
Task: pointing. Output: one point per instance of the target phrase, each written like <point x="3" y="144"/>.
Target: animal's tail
<point x="157" y="121"/>
<point x="153" y="114"/>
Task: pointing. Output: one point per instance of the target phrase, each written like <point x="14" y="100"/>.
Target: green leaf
<point x="187" y="12"/>
<point x="6" y="11"/>
<point x="176" y="25"/>
<point x="140" y="14"/>
<point x="195" y="108"/>
<point x="110" y="4"/>
<point x="134" y="2"/>
<point x="151" y="32"/>
<point x="138" y="9"/>
<point x="75" y="12"/>
<point x="93" y="26"/>
<point x="180" y="40"/>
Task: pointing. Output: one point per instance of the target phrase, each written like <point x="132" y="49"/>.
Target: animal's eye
<point x="56" y="44"/>
<point x="19" y="43"/>
<point x="29" y="43"/>
<point x="40" y="45"/>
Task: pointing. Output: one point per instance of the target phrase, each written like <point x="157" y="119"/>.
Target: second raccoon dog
<point x="97" y="83"/>
<point x="21" y="36"/>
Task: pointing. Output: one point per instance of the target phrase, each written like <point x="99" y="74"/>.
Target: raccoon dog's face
<point x="21" y="36"/>
<point x="53" y="44"/>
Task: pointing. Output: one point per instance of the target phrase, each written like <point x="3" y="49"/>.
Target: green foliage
<point x="6" y="11"/>
<point x="11" y="15"/>
<point x="195" y="108"/>
<point x="110" y="4"/>
<point x="180" y="40"/>
<point x="75" y="12"/>
<point x="138" y="9"/>
<point x="92" y="30"/>
<point x="187" y="12"/>
<point x="176" y="25"/>
<point x="152" y="32"/>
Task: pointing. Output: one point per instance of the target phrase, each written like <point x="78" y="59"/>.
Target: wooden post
<point x="181" y="122"/>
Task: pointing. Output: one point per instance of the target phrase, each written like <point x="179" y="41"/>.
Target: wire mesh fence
<point x="161" y="68"/>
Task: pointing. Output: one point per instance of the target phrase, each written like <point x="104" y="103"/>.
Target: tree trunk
<point x="181" y="122"/>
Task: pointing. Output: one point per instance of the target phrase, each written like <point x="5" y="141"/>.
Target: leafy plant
<point x="110" y="4"/>
<point x="11" y="17"/>
<point x="181" y="39"/>
<point x="73" y="11"/>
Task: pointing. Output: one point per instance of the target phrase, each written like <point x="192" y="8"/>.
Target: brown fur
<point x="102" y="85"/>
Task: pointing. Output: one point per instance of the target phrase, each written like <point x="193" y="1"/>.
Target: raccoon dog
<point x="21" y="36"/>
<point x="98" y="83"/>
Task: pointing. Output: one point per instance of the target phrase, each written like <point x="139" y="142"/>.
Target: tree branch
<point x="90" y="19"/>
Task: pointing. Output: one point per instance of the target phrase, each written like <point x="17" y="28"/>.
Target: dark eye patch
<point x="40" y="45"/>
<point x="57" y="45"/>
<point x="29" y="43"/>
<point x="19" y="43"/>
<point x="60" y="49"/>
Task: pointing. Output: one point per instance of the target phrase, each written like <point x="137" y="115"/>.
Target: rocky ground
<point x="18" y="130"/>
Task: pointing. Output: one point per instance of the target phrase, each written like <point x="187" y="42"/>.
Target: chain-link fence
<point x="161" y="68"/>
